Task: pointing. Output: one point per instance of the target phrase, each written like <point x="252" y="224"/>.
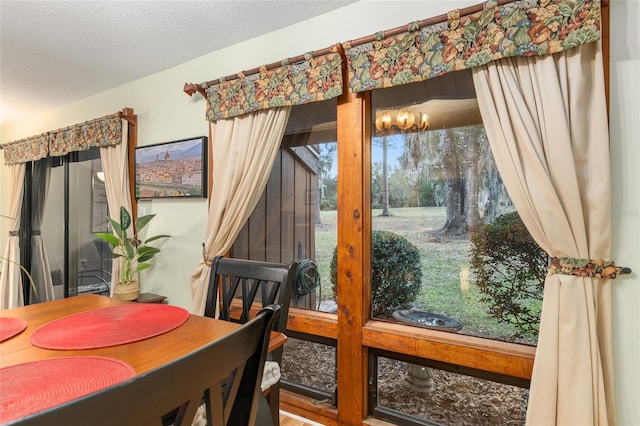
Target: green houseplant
<point x="134" y="254"/>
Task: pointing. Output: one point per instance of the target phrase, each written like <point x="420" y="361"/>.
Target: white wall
<point x="625" y="160"/>
<point x="166" y="113"/>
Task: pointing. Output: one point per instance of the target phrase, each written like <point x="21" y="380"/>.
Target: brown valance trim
<point x="313" y="77"/>
<point x="103" y="131"/>
<point x="586" y="267"/>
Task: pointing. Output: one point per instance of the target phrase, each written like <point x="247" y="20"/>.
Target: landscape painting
<point x="172" y="169"/>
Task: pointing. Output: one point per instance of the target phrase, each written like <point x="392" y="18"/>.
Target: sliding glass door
<point x="76" y="209"/>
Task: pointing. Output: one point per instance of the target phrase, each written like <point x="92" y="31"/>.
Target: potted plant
<point x="135" y="255"/>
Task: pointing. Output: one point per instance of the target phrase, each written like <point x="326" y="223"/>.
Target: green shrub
<point x="509" y="269"/>
<point x="396" y="275"/>
<point x="328" y="203"/>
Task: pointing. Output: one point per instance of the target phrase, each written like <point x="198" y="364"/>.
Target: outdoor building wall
<point x="166" y="113"/>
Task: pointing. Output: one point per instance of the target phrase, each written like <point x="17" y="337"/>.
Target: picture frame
<point x="174" y="169"/>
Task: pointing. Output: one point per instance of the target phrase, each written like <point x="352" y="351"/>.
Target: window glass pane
<point x="89" y="256"/>
<point x="448" y="398"/>
<point x="310" y="364"/>
<point x="53" y="230"/>
<point x="448" y="249"/>
<point x="87" y="264"/>
<point x="295" y="219"/>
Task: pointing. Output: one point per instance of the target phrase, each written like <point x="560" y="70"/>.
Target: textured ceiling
<point x="56" y="52"/>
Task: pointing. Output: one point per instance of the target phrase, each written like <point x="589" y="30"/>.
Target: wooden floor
<point x="287" y="419"/>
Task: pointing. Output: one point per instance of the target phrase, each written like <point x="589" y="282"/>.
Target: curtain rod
<point x="425" y="22"/>
<point x="191" y="88"/>
<point x="470" y="10"/>
<point x="126" y="113"/>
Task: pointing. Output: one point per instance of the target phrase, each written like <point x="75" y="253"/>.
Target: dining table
<point x="189" y="333"/>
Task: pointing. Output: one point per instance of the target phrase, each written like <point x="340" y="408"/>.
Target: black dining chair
<point x="172" y="394"/>
<point x="244" y="285"/>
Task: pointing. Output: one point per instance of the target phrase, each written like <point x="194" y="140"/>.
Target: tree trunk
<point x="494" y="188"/>
<point x="319" y="195"/>
<point x="456" y="224"/>
<point x="472" y="172"/>
<point x="385" y="179"/>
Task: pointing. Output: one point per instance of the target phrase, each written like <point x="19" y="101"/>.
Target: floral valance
<point x="29" y="149"/>
<point x="100" y="132"/>
<point x="81" y="137"/>
<point x="519" y="28"/>
<point x="313" y="79"/>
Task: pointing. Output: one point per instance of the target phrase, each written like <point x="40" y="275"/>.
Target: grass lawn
<point x="447" y="289"/>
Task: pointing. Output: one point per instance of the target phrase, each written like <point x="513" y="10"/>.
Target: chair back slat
<point x="265" y="281"/>
<point x="227" y="373"/>
<point x="243" y="280"/>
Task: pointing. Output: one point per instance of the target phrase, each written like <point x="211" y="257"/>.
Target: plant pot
<point x="129" y="291"/>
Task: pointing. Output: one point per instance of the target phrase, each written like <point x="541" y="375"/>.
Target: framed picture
<point x="172" y="169"/>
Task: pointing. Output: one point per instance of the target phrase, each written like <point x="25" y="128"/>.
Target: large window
<point x="438" y="209"/>
<point x="448" y="251"/>
<point x="381" y="219"/>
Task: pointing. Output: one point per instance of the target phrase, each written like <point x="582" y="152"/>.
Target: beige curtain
<point x="244" y="149"/>
<point x="10" y="276"/>
<point x="546" y="121"/>
<point x="40" y="271"/>
<point x="115" y="165"/>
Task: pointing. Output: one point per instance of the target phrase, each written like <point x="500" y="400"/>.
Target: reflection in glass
<point x="434" y="186"/>
<point x="99" y="206"/>
<point x="76" y="208"/>
<point x="295" y="218"/>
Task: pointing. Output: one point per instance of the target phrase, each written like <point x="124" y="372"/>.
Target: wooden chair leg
<point x="274" y="402"/>
<point x="264" y="416"/>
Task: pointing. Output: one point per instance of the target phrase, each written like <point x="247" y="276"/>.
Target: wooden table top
<point x="143" y="355"/>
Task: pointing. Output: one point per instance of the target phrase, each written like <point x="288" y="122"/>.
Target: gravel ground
<point x="454" y="399"/>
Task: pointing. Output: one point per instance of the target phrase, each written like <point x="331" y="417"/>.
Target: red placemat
<point x="9" y="327"/>
<point x="35" y="386"/>
<point x="111" y="326"/>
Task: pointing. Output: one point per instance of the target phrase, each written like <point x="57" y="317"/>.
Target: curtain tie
<point x="595" y="268"/>
<point x="14" y="233"/>
<point x="36" y="232"/>
<point x="207" y="262"/>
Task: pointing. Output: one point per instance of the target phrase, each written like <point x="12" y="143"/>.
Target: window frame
<point x="358" y="337"/>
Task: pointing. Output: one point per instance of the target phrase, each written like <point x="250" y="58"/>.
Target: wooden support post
<point x="132" y="120"/>
<point x="354" y="254"/>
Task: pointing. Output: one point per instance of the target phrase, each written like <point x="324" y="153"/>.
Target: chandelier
<point x="403" y="119"/>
